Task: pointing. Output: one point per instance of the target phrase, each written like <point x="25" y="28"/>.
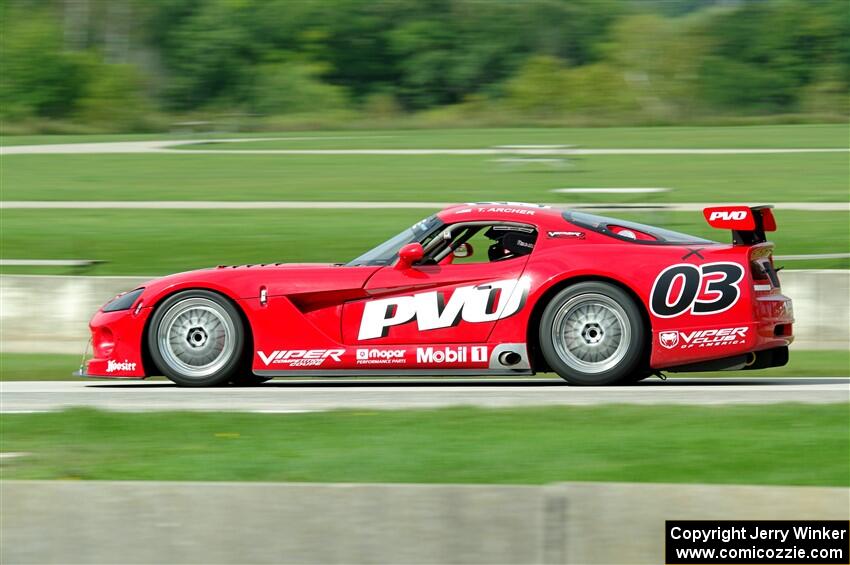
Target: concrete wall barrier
<point x="624" y="522"/>
<point x="181" y="522"/>
<point x="821" y="307"/>
<point x="49" y="314"/>
<point x="152" y="522"/>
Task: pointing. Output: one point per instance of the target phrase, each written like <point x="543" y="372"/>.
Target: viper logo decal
<point x="669" y="339"/>
<point x="479" y="303"/>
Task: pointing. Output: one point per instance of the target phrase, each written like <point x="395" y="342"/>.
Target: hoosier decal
<point x="480" y="303"/>
<point x="113" y="366"/>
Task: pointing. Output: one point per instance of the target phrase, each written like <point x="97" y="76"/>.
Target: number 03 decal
<point x="698" y="289"/>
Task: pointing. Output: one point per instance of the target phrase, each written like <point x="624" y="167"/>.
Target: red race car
<point x="483" y="289"/>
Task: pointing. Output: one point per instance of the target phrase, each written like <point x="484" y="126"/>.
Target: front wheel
<point x="592" y="333"/>
<point x="196" y="338"/>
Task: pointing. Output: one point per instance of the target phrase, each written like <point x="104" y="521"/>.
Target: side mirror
<point x="463" y="250"/>
<point x="409" y="254"/>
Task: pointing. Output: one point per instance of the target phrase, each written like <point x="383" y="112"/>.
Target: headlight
<point x="123" y="301"/>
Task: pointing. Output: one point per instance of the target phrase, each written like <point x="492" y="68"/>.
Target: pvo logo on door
<point x="431" y="310"/>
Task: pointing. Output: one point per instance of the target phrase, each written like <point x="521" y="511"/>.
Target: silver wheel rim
<point x="591" y="333"/>
<point x="196" y="337"/>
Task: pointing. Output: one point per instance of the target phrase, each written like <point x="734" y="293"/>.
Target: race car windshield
<point x="387" y="252"/>
<point x="624" y="230"/>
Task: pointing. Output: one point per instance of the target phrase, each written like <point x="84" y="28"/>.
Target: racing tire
<point x="592" y="334"/>
<point x="196" y="339"/>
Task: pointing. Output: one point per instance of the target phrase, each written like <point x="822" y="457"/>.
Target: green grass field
<point x="777" y="444"/>
<point x="42" y="367"/>
<point x="135" y="241"/>
<point x="155" y="242"/>
<point x="760" y="137"/>
<point x="787" y="444"/>
<point x="816" y="177"/>
<point x="771" y="136"/>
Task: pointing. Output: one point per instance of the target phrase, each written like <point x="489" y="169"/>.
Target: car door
<point x="441" y="302"/>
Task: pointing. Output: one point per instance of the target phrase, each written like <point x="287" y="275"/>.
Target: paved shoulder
<point x="196" y="146"/>
<point x="304" y="396"/>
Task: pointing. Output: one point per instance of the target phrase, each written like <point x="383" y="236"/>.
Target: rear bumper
<point x="774" y="316"/>
<point x="765" y="326"/>
<point x="764" y="359"/>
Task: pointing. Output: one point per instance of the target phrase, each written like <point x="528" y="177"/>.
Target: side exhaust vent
<point x="509" y="358"/>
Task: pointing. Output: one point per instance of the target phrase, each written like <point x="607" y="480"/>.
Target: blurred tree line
<point x="136" y="64"/>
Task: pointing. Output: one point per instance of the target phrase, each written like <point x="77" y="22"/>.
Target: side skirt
<point x="776" y="357"/>
<point x="397" y="373"/>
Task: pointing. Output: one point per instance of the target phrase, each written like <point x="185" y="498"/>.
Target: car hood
<point x="245" y="281"/>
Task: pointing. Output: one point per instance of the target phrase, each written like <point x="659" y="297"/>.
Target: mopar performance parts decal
<point x="381" y="356"/>
<point x="479" y="303"/>
<point x="699" y="289"/>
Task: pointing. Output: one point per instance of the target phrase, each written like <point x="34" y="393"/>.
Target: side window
<point x="480" y="242"/>
<point x="475" y="250"/>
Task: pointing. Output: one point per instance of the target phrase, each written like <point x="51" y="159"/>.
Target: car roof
<point x="551" y="217"/>
<point x="499" y="211"/>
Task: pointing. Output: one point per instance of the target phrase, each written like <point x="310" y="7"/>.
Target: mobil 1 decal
<point x="697" y="289"/>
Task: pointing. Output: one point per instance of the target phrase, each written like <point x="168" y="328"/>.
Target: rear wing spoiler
<point x="748" y="224"/>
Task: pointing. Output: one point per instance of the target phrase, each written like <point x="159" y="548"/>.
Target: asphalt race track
<point x="284" y="396"/>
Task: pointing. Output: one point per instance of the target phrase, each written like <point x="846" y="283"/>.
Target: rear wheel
<point x="592" y="333"/>
<point x="196" y="338"/>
